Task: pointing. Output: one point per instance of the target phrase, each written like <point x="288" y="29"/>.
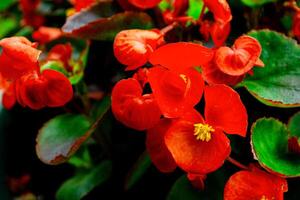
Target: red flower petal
<point x="144" y="4"/>
<point x="58" y="89"/>
<point x="155" y="144"/>
<point x="219" y="33"/>
<point x="245" y="185"/>
<point x="141" y="76"/>
<point x="225" y="110"/>
<point x="296" y="25"/>
<point x="18" y="57"/>
<point x="213" y="75"/>
<point x="31" y="91"/>
<point x="241" y="58"/>
<point x="196" y="156"/>
<point x="9" y="98"/>
<point x="133" y="47"/>
<point x="181" y="55"/>
<point x="46" y="34"/>
<point x="220" y="9"/>
<point x="51" y="88"/>
<point x="175" y="93"/>
<point x="30" y="15"/>
<point x="197" y="180"/>
<point x="133" y="109"/>
<point x="61" y="52"/>
<point x="81" y="4"/>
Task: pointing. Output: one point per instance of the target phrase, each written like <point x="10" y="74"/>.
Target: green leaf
<point x="102" y="22"/>
<point x="61" y="137"/>
<point x="214" y="186"/>
<point x="276" y="84"/>
<point x="256" y="3"/>
<point x="7" y="25"/>
<point x="54" y="65"/>
<point x="294" y="125"/>
<point x="195" y="7"/>
<point x="6" y="4"/>
<point x="269" y="141"/>
<point x="164" y="5"/>
<point x="183" y="189"/>
<point x="100" y="108"/>
<point x="82" y="158"/>
<point x="138" y="170"/>
<point x="81" y="184"/>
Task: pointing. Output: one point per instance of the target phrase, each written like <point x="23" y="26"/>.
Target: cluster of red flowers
<point x="177" y="134"/>
<point x="25" y="82"/>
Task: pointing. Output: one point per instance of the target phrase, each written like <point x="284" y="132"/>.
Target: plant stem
<point x="168" y="28"/>
<point x="237" y="163"/>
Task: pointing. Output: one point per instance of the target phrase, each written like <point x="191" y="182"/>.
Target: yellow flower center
<point x="203" y="132"/>
<point x="184" y="78"/>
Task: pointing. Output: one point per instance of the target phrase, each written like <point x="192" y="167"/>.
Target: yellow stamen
<point x="203" y="131"/>
<point x="184" y="78"/>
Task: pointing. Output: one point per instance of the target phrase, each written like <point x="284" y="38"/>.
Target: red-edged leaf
<point x="102" y="22"/>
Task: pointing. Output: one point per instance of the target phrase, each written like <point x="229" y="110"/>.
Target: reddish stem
<point x="237" y="163"/>
<point x="293" y="5"/>
<point x="168" y="28"/>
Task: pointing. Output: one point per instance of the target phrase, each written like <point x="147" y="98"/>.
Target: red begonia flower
<point x="141" y="76"/>
<point x="144" y="4"/>
<point x="133" y="47"/>
<point x="181" y="55"/>
<point x="255" y="184"/>
<point x="220" y="10"/>
<point x="18" y="57"/>
<point x="213" y="75"/>
<point x="226" y="112"/>
<point x="61" y="52"/>
<point x="81" y="4"/>
<point x="194" y="155"/>
<point x="200" y="147"/>
<point x="46" y="34"/>
<point x="30" y="15"/>
<point x="177" y="12"/>
<point x="133" y="109"/>
<point x="219" y="33"/>
<point x="239" y="59"/>
<point x="175" y="92"/>
<point x="51" y="88"/>
<point x="296" y="25"/>
<point x="155" y="144"/>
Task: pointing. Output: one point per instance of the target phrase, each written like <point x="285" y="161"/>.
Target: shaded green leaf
<point x="270" y="147"/>
<point x="276" y="84"/>
<point x="6" y="4"/>
<point x="195" y="8"/>
<point x="256" y="3"/>
<point x="54" y="65"/>
<point x="61" y="137"/>
<point x="7" y="25"/>
<point x="81" y="184"/>
<point x="82" y="158"/>
<point x="214" y="186"/>
<point x="294" y="125"/>
<point x="138" y="170"/>
<point x="102" y="22"/>
<point x="100" y="108"/>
